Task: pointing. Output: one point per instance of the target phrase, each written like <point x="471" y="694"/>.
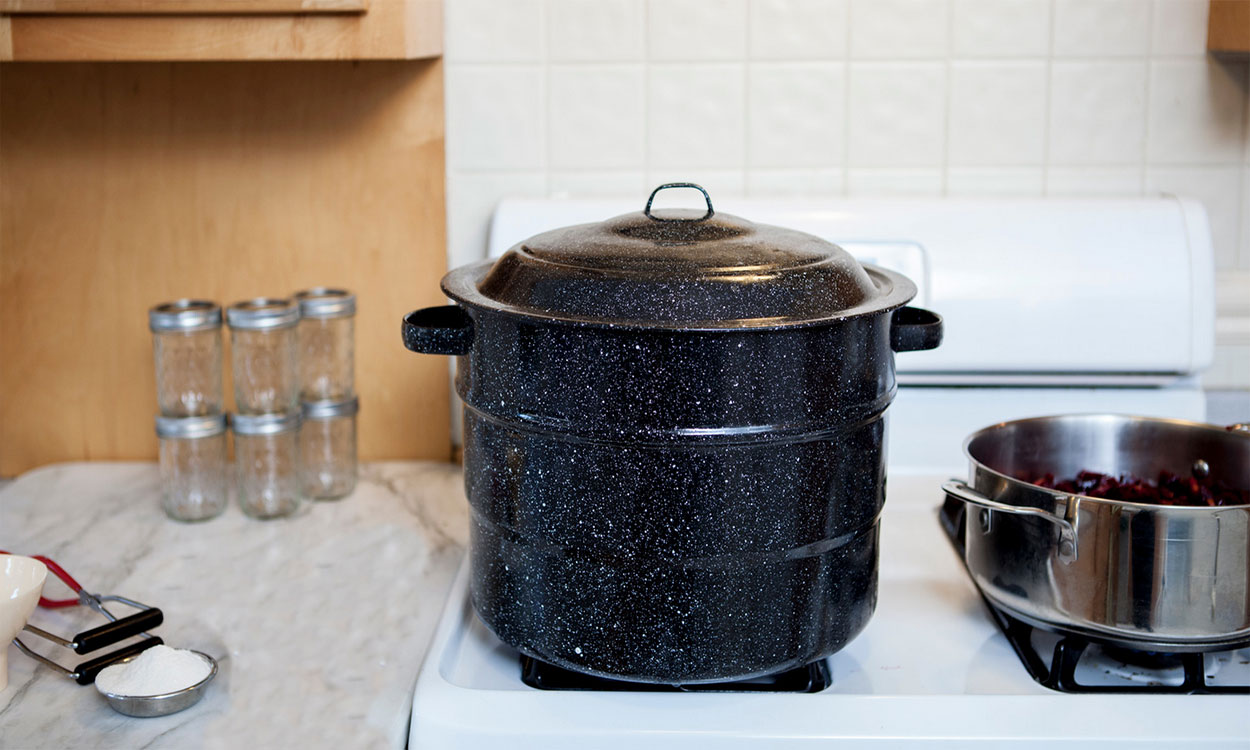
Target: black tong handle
<point x="86" y="672"/>
<point x="117" y="630"/>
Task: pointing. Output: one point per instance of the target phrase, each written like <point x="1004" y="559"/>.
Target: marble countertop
<point x="318" y="622"/>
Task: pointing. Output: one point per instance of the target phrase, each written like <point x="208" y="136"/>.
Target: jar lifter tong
<point x="116" y="629"/>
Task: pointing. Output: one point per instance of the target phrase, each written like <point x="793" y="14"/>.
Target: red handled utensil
<point x="116" y="629"/>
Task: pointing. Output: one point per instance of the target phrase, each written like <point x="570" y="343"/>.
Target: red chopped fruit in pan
<point x="1169" y="489"/>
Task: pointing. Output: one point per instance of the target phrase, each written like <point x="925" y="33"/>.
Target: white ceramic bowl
<point x="21" y="583"/>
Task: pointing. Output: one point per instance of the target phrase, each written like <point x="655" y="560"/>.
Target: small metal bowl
<point x="164" y="704"/>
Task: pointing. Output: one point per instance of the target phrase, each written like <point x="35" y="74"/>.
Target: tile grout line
<point x="948" y="97"/>
<point x="1242" y="261"/>
<point x="780" y="60"/>
<point x="846" y="102"/>
<point x="1048" y="99"/>
<point x="646" y="94"/>
<point x="1150" y="76"/>
<point x="545" y="93"/>
<point x="747" y="63"/>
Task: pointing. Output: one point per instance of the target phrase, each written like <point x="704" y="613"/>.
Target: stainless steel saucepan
<point x="1142" y="575"/>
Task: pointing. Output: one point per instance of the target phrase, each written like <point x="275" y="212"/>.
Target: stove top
<point x="1078" y="663"/>
<point x="931" y="669"/>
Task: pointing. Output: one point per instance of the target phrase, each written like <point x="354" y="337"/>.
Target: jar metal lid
<point x="190" y="427"/>
<point x="185" y="315"/>
<point x="325" y="302"/>
<point x="263" y="312"/>
<point x="264" y="424"/>
<point x="327" y="409"/>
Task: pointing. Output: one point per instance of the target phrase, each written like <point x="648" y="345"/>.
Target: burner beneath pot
<point x="811" y="678"/>
<point x="1075" y="663"/>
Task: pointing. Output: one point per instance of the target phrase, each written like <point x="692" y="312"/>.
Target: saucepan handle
<point x="913" y="329"/>
<point x="439" y="330"/>
<point x="1067" y="533"/>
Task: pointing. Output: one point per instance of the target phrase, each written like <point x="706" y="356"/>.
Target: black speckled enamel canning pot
<point x="674" y="429"/>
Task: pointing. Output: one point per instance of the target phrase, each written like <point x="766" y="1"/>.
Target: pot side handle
<point x="447" y="329"/>
<point x="1067" y="532"/>
<point x="913" y="329"/>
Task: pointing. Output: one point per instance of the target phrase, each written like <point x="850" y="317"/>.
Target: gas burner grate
<point x="811" y="678"/>
<point x="1066" y="672"/>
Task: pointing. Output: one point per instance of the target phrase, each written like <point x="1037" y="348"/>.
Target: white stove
<point x="930" y="670"/>
<point x="1050" y="307"/>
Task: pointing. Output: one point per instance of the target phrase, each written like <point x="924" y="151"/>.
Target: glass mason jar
<point x="266" y="463"/>
<point x="327" y="449"/>
<point x="263" y="355"/>
<point x="186" y="345"/>
<point x="193" y="466"/>
<point x="327" y="345"/>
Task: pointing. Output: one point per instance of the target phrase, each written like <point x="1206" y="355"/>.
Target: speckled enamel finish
<point x="670" y="506"/>
<point x="674" y="435"/>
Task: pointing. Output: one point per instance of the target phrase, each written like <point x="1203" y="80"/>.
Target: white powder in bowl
<point x="156" y="671"/>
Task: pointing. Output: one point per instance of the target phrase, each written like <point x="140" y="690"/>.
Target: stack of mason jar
<point x="295" y="404"/>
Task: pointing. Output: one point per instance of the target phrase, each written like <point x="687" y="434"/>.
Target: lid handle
<point x="647" y="211"/>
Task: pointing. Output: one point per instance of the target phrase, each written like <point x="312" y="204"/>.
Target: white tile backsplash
<point x="1097" y="112"/>
<point x="796" y="114"/>
<point x="1086" y="182"/>
<point x="495" y="117"/>
<point x="717" y="182"/>
<point x="894" y="182"/>
<point x="1000" y="28"/>
<point x="494" y="31"/>
<point x="596" y="183"/>
<point x="1180" y="27"/>
<point x="843" y="97"/>
<point x="595" y="30"/>
<point x="899" y="29"/>
<point x="997" y="113"/>
<point x="696" y="116"/>
<point x="798" y="29"/>
<point x="796" y="182"/>
<point x="471" y="198"/>
<point x="1102" y="28"/>
<point x="1196" y="111"/>
<point x="595" y="118"/>
<point x="697" y="29"/>
<point x="987" y="181"/>
<point x="897" y="114"/>
<point x="1243" y="258"/>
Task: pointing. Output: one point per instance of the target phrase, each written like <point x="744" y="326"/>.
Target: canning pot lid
<point x="679" y="268"/>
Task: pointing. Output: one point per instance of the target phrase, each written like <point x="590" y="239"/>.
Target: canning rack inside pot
<point x="1028" y="449"/>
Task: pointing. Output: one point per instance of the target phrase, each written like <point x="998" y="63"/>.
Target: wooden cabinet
<point x="1228" y="27"/>
<point x="181" y="7"/>
<point x="123" y="185"/>
<point x="166" y="30"/>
